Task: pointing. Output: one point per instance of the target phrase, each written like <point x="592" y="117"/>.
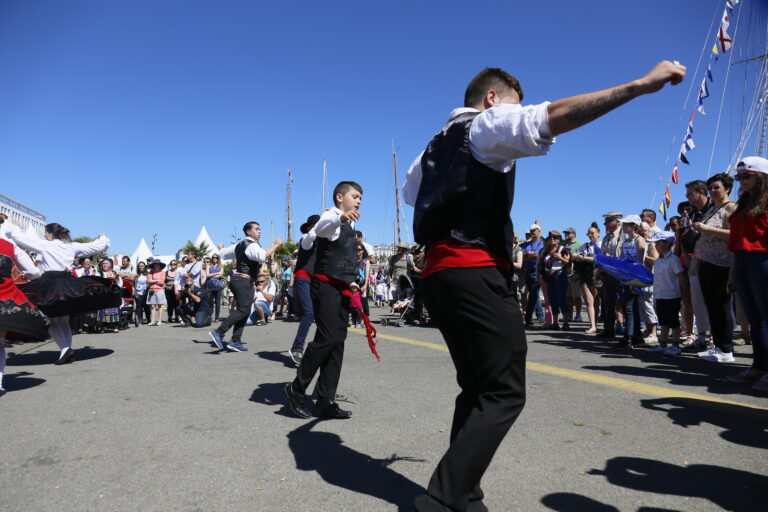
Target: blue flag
<point x="626" y="271"/>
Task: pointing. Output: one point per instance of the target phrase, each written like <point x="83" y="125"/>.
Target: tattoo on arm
<point x="590" y="110"/>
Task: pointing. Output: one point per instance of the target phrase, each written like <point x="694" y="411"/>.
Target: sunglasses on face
<point x="744" y="175"/>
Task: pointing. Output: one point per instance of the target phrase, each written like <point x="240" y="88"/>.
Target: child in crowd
<point x="668" y="286"/>
<point x="381" y="294"/>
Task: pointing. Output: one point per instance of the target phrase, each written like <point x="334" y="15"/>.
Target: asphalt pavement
<point x="157" y="419"/>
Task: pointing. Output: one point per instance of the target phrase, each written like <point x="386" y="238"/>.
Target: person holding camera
<point x="264" y="300"/>
<point x="195" y="305"/>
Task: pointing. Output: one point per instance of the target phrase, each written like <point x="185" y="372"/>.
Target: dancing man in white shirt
<point x="462" y="188"/>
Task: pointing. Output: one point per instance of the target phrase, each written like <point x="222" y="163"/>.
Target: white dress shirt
<point x="498" y="136"/>
<point x="253" y="252"/>
<point x="329" y="226"/>
<point x="25" y="264"/>
<point x="55" y="254"/>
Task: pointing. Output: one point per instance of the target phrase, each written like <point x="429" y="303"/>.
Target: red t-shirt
<point x="449" y="254"/>
<point x="750" y="234"/>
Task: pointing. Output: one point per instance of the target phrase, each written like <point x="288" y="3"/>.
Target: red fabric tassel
<point x="355" y="301"/>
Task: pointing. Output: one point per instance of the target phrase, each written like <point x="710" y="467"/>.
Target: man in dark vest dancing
<point x="248" y="255"/>
<point x="462" y="187"/>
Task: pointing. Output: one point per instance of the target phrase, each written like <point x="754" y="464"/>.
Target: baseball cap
<point x="533" y="226"/>
<point x="753" y="163"/>
<point x="632" y="219"/>
<point x="667" y="236"/>
<point x="569" y="230"/>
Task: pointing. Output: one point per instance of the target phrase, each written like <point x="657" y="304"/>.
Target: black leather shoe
<point x="332" y="411"/>
<point x="66" y="356"/>
<point x="623" y="345"/>
<point x="296" y="402"/>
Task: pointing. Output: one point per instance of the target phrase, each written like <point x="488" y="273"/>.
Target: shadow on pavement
<point x="568" y="501"/>
<point x="278" y="357"/>
<point x="21" y="380"/>
<point x="50" y="356"/>
<point x="741" y="425"/>
<point x="730" y="489"/>
<point x="272" y="394"/>
<point x="340" y="465"/>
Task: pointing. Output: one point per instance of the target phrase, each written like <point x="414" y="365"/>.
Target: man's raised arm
<point x="570" y="113"/>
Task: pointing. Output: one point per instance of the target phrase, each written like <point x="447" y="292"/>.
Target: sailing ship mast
<point x="397" y="197"/>
<point x="288" y="201"/>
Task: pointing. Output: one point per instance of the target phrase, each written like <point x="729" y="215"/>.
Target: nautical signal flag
<point x="290" y="175"/>
<point x="675" y="177"/>
<point x="724" y="41"/>
<point x="703" y="93"/>
<point x="687" y="146"/>
<point x="731" y="3"/>
<point x="663" y="210"/>
<point x="667" y="197"/>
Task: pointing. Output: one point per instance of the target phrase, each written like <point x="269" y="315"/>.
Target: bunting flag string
<point x="723" y="43"/>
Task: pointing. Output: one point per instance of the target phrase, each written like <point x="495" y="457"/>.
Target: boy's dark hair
<point x="697" y="186"/>
<point x="248" y="225"/>
<point x="343" y="187"/>
<point x="490" y="78"/>
<point x="359" y="234"/>
<point x="651" y="213"/>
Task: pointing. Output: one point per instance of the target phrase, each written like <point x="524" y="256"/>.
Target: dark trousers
<point x="216" y="302"/>
<point x="750" y="275"/>
<point x="714" y="287"/>
<point x="326" y="352"/>
<point x="610" y="289"/>
<point x="532" y="288"/>
<point x="303" y="301"/>
<point x="171" y="304"/>
<point x="242" y="289"/>
<point x="557" y="289"/>
<point x="479" y="317"/>
<point x="631" y="305"/>
<point x="142" y="308"/>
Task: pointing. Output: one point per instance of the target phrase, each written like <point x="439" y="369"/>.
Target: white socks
<point x="61" y="332"/>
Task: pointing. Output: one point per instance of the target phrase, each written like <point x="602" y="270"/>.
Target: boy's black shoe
<point x="623" y="345"/>
<point x="332" y="411"/>
<point x="296" y="402"/>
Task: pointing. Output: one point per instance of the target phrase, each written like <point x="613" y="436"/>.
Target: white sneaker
<point x="658" y="348"/>
<point x="673" y="350"/>
<point x="707" y="352"/>
<point x="718" y="356"/>
<point x="651" y="339"/>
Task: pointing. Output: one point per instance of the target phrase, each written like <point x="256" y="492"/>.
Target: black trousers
<point x="478" y="314"/>
<point x="610" y="289"/>
<point x="326" y="352"/>
<point x="242" y="289"/>
<point x="714" y="288"/>
<point x="171" y="303"/>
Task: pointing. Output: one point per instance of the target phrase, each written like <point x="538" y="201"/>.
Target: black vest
<point x="338" y="259"/>
<point x="461" y="199"/>
<point x="306" y="259"/>
<point x="245" y="265"/>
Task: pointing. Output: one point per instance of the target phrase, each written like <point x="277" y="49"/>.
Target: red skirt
<point x="19" y="318"/>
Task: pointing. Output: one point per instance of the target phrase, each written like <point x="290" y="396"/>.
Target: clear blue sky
<point x="145" y="117"/>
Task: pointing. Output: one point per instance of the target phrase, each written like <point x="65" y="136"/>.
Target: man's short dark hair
<point x="248" y="225"/>
<point x="345" y="186"/>
<point x="490" y="78"/>
<point x="127" y="258"/>
<point x="359" y="234"/>
<point x="697" y="186"/>
<point x="651" y="214"/>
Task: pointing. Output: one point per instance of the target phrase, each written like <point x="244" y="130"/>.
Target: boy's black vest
<point x="338" y="259"/>
<point x="245" y="265"/>
<point x="461" y="199"/>
<point x="306" y="259"/>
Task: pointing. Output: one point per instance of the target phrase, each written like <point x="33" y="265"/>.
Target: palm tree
<point x="200" y="251"/>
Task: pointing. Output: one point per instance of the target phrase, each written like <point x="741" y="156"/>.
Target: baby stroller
<point x="128" y="308"/>
<point x="409" y="309"/>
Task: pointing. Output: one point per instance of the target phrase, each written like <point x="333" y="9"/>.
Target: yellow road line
<point x="594" y="378"/>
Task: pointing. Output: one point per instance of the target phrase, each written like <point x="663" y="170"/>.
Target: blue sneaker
<point x="217" y="339"/>
<point x="577" y="318"/>
<point x="236" y="346"/>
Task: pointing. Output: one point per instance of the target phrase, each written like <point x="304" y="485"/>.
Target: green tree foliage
<point x="285" y="250"/>
<point x="199" y="250"/>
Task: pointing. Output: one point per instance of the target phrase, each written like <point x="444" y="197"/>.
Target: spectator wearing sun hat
<point x="156" y="296"/>
<point x="531" y="249"/>
<point x="574" y="284"/>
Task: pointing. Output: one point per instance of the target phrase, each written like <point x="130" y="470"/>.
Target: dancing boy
<point x="462" y="187"/>
<point x="334" y="279"/>
<point x="249" y="256"/>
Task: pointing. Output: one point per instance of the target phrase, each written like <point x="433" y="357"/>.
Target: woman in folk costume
<point x="19" y="318"/>
<point x="58" y="293"/>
